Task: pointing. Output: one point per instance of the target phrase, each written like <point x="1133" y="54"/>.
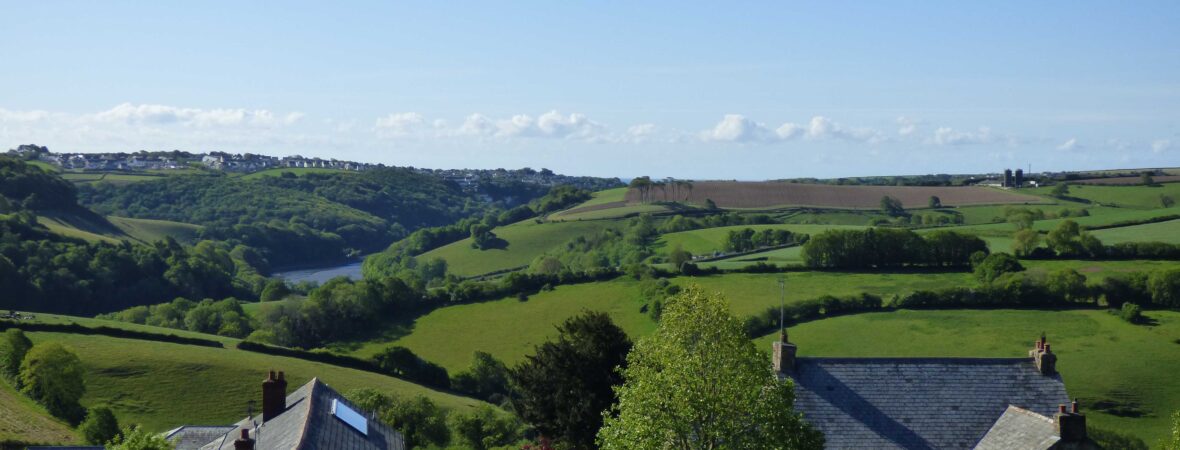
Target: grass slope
<point x="1124" y="374"/>
<point x="526" y="240"/>
<point x="164" y="385"/>
<point x="149" y="230"/>
<point x="23" y="420"/>
<point x="112" y="229"/>
<point x="708" y="240"/>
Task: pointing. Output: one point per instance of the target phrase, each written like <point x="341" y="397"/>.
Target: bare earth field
<point x="730" y="194"/>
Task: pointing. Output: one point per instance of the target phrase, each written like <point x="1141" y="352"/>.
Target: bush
<point x="403" y="363"/>
<point x="1131" y="312"/>
<point x="486" y="379"/>
<point x="485" y="428"/>
<point x="275" y="289"/>
<point x="137" y="438"/>
<point x="995" y="265"/>
<point x="53" y="375"/>
<point x="100" y="425"/>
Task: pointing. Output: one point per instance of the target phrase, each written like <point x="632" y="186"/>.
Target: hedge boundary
<point x="75" y="328"/>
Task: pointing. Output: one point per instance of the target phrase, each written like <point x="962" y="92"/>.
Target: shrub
<point x="1131" y="312"/>
<point x="995" y="265"/>
<point x="137" y="438"/>
<point x="484" y="428"/>
<point x="13" y="347"/>
<point x="53" y="375"/>
<point x="100" y="425"/>
<point x="401" y="362"/>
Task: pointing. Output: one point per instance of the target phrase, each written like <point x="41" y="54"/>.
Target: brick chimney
<point x="784" y="354"/>
<point x="1071" y="425"/>
<point x="244" y="442"/>
<point x="274" y="396"/>
<point x="1043" y="356"/>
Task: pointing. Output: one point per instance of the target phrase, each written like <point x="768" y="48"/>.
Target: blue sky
<point x="731" y="90"/>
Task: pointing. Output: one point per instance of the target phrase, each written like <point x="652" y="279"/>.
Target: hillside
<point x="23" y="420"/>
<point x="163" y="385"/>
<point x="524" y="241"/>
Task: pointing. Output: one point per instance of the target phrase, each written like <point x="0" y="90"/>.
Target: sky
<point x="701" y="90"/>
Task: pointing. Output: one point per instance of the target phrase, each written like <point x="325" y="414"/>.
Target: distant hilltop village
<point x="468" y="179"/>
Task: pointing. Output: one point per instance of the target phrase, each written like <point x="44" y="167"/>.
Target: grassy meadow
<point x="1124" y="374"/>
<point x="1152" y="232"/>
<point x="1139" y="197"/>
<point x="708" y="240"/>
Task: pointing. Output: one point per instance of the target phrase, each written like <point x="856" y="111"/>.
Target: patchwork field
<point x="1141" y="197"/>
<point x="1123" y="374"/>
<point x="524" y="241"/>
<point x="778" y="194"/>
<point x="708" y="240"/>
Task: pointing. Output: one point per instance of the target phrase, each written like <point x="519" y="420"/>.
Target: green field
<point x="610" y="213"/>
<point x="1153" y="232"/>
<point x="708" y="240"/>
<point x="1098" y="217"/>
<point x="23" y="420"/>
<point x="1096" y="271"/>
<point x="163" y="385"/>
<point x="116" y="178"/>
<point x="148" y="230"/>
<point x="1141" y="197"/>
<point x="44" y="166"/>
<point x="1107" y="363"/>
<point x="526" y="240"/>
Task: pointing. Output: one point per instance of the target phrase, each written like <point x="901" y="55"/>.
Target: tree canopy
<point x="53" y="375"/>
<point x="698" y="382"/>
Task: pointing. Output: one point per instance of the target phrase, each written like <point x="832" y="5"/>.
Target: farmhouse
<point x="313" y="416"/>
<point x="935" y="403"/>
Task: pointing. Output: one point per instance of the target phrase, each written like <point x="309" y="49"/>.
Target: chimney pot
<point x="274" y="396"/>
<point x="1074" y="408"/>
<point x="1061" y="409"/>
<point x="1047" y="348"/>
<point x="244" y="443"/>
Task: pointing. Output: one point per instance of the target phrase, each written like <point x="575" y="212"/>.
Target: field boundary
<point x="75" y="328"/>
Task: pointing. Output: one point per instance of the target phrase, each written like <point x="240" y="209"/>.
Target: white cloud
<point x="1160" y="145"/>
<point x="143" y="114"/>
<point x="906" y="126"/>
<point x="398" y="125"/>
<point x="737" y="128"/>
<point x="950" y="136"/>
<point x="1071" y="144"/>
<point x="22" y="116"/>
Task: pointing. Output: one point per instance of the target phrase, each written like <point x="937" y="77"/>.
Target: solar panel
<point x="350" y="417"/>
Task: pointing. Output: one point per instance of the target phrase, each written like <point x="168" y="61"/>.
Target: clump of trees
<point x="100" y="425"/>
<point x="564" y="387"/>
<point x="747" y="239"/>
<point x="686" y="223"/>
<point x="403" y="363"/>
<point x="49" y="373"/>
<point x="890" y="248"/>
<point x="892" y="206"/>
<point x="699" y="382"/>
<point x="224" y="317"/>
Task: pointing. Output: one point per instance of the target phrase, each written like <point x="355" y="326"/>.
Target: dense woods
<point x="890" y="248"/>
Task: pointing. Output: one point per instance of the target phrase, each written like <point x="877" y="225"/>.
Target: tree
<point x="486" y="379"/>
<point x="1025" y="241"/>
<point x="100" y="425"/>
<point x="1067" y="283"/>
<point x="1146" y="179"/>
<point x="1131" y="312"/>
<point x="14" y="345"/>
<point x="935" y="202"/>
<point x="136" y="438"/>
<point x="53" y="375"/>
<point x="485" y="428"/>
<point x="678" y="256"/>
<point x="482" y="236"/>
<point x="892" y="206"/>
<point x="995" y="265"/>
<point x="566" y="385"/>
<point x="1164" y="286"/>
<point x="698" y="382"/>
<point x="276" y="289"/>
<point x="1068" y="239"/>
<point x="1061" y="190"/>
<point x="710" y="205"/>
<point x="1167" y="201"/>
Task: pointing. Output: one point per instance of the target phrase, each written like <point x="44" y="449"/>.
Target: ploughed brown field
<point x="1127" y="181"/>
<point x="730" y="194"/>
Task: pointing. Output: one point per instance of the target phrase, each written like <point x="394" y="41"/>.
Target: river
<point x="322" y="274"/>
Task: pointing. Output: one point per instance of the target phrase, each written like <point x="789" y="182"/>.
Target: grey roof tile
<point x="917" y="403"/>
<point x="1020" y="429"/>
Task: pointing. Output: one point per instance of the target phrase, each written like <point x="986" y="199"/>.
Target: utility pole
<point x="782" y="303"/>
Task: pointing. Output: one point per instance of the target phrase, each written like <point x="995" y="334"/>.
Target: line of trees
<point x="890" y="248"/>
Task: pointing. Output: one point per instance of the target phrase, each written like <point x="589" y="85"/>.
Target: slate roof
<point x="917" y="403"/>
<point x="1020" y="429"/>
<point x="308" y="423"/>
<point x="192" y="437"/>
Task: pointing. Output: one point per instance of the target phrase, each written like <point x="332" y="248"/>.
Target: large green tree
<point x="698" y="382"/>
<point x="563" y="389"/>
<point x="100" y="425"/>
<point x="53" y="375"/>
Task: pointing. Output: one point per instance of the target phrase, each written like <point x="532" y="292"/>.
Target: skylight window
<point x="350" y="416"/>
